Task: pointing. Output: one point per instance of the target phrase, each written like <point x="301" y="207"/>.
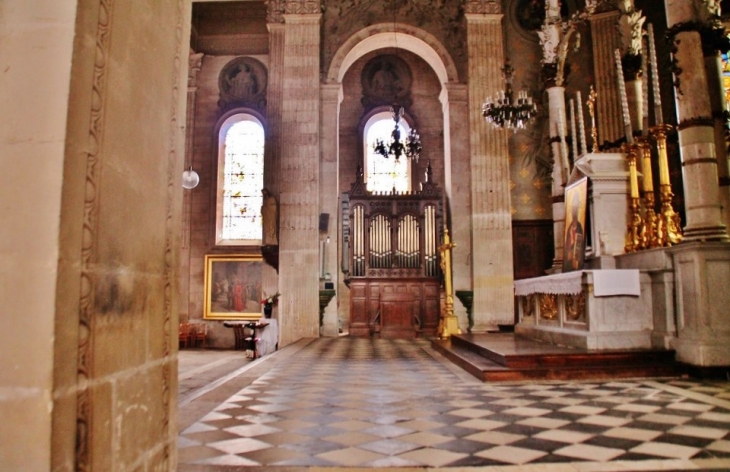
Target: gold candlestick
<point x="449" y="324"/>
<point x="669" y="230"/>
<point x="636" y="230"/>
<point x="650" y="217"/>
<point x="591" y="102"/>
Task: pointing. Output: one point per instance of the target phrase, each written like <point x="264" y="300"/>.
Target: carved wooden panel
<point x="394" y="308"/>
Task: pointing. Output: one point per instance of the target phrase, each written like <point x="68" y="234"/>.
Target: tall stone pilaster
<point x="272" y="150"/>
<point x="299" y="178"/>
<point x="195" y="62"/>
<point x="696" y="129"/>
<point x="608" y="103"/>
<point x="329" y="198"/>
<point x="492" y="270"/>
<point x="556" y="104"/>
<point x="454" y="98"/>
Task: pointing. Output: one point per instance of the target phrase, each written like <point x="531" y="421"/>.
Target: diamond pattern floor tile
<point x="390" y="403"/>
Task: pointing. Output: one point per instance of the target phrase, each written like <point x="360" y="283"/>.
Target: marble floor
<point x="352" y="403"/>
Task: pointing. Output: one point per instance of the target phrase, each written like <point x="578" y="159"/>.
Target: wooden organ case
<point x="390" y="259"/>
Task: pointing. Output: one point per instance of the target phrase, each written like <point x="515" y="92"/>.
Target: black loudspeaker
<point x="324" y="222"/>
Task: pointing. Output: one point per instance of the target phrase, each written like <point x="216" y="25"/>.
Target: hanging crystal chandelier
<point x="412" y="147"/>
<point x="505" y="111"/>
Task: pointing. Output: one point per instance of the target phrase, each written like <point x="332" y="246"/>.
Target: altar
<point x="588" y="309"/>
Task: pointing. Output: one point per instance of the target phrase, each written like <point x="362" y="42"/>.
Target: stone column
<point x="329" y="196"/>
<point x="492" y="271"/>
<point x="713" y="67"/>
<point x="608" y="103"/>
<point x="272" y="150"/>
<point x="458" y="188"/>
<point x="299" y="178"/>
<point x="696" y="130"/>
<point x="556" y="104"/>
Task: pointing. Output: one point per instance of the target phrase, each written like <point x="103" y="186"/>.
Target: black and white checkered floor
<point x="352" y="402"/>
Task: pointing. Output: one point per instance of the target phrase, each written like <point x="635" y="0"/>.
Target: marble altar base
<point x="597" y="310"/>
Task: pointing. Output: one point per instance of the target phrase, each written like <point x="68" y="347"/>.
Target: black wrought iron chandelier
<point x="412" y="146"/>
<point x="507" y="112"/>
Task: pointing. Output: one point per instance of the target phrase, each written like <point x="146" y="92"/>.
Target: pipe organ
<point x="390" y="260"/>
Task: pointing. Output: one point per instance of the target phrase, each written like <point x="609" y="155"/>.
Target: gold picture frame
<point x="232" y="287"/>
<point x="576" y="201"/>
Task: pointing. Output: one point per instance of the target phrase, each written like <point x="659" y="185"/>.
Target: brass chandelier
<point x="412" y="146"/>
<point x="507" y="112"/>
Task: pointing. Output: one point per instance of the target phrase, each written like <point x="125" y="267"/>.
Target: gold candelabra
<point x="650" y="236"/>
<point x="668" y="227"/>
<point x="636" y="230"/>
<point x="591" y="102"/>
<point x="448" y="324"/>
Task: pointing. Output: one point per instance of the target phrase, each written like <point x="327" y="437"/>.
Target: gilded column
<point x="299" y="178"/>
<point x="492" y="272"/>
<point x="696" y="127"/>
<point x="608" y="104"/>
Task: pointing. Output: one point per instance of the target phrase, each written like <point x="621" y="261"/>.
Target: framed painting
<point x="232" y="287"/>
<point x="576" y="196"/>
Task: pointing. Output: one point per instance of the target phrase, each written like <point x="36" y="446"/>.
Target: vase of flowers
<point x="268" y="302"/>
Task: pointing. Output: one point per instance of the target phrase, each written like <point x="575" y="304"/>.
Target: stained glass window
<point x="384" y="174"/>
<point x="241" y="181"/>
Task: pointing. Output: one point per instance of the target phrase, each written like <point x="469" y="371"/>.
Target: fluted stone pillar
<point x="713" y="67"/>
<point x="492" y="271"/>
<point x="608" y="102"/>
<point x="329" y="198"/>
<point x="299" y="178"/>
<point x="272" y="150"/>
<point x="696" y="131"/>
<point x="455" y="102"/>
<point x="556" y="104"/>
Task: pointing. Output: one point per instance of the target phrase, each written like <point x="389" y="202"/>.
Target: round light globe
<point x="190" y="179"/>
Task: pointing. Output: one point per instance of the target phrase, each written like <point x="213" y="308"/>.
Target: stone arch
<point x="385" y="35"/>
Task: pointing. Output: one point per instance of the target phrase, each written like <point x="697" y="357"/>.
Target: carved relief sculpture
<point x="242" y="83"/>
<point x="630" y="25"/>
<point x="386" y="80"/>
<point x="548" y="306"/>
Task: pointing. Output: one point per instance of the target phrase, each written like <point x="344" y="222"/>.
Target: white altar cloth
<point x="606" y="283"/>
<point x="568" y="283"/>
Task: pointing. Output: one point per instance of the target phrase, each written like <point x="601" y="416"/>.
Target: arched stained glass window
<point x="384" y="174"/>
<point x="240" y="180"/>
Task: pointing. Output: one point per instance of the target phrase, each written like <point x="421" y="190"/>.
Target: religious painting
<point x="576" y="196"/>
<point x="232" y="287"/>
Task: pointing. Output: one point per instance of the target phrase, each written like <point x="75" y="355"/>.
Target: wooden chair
<point x="199" y="334"/>
<point x="184" y="334"/>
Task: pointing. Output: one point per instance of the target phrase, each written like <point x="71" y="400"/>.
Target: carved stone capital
<point x="275" y="11"/>
<point x="302" y="7"/>
<point x="484" y="7"/>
